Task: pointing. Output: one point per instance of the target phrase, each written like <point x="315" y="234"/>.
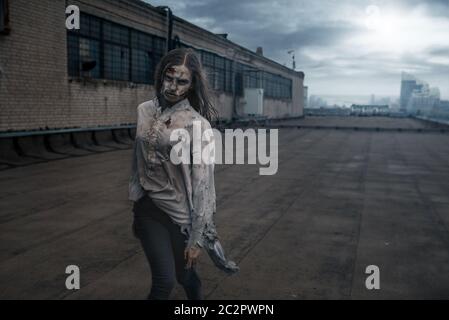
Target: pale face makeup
<point x="176" y="83"/>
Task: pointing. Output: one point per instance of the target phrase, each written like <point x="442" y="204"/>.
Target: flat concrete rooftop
<point x="341" y="201"/>
<point x="366" y="123"/>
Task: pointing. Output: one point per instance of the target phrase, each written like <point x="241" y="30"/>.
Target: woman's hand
<point x="191" y="255"/>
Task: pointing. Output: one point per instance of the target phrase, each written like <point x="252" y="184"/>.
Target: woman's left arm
<point x="203" y="185"/>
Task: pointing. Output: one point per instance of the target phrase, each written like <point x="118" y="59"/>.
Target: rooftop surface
<point x="342" y="200"/>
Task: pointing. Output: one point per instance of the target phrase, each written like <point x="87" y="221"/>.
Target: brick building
<point x="55" y="78"/>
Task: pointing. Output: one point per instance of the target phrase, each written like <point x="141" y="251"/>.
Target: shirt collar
<point x="183" y="104"/>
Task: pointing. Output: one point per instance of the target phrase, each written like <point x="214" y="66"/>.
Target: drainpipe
<point x="234" y="95"/>
<point x="169" y="14"/>
<point x="231" y="53"/>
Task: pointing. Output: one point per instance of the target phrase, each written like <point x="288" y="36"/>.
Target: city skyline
<point x="348" y="100"/>
<point x="366" y="45"/>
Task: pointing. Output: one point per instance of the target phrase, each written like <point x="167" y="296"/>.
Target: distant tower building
<point x="424" y="100"/>
<point x="373" y="99"/>
<point x="417" y="97"/>
<point x="408" y="84"/>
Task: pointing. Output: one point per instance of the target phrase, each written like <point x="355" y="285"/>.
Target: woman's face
<point x="176" y="83"/>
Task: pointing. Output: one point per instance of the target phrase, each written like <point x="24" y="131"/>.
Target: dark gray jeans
<point x="164" y="246"/>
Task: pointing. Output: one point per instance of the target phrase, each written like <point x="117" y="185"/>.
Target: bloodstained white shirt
<point x="186" y="192"/>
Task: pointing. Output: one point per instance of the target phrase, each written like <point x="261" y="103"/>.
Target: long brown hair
<point x="199" y="94"/>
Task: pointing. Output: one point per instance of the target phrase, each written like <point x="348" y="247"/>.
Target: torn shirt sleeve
<point x="135" y="191"/>
<point x="203" y="186"/>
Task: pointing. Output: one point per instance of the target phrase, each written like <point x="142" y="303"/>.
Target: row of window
<point x="106" y="50"/>
<point x="275" y="86"/>
<point x="218" y="69"/>
<point x="220" y="73"/>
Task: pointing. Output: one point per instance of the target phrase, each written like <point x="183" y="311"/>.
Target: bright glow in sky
<point x="399" y="32"/>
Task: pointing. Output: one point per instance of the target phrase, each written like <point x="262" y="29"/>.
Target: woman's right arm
<point x="135" y="189"/>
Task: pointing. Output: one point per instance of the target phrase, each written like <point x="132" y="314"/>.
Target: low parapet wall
<point x="25" y="148"/>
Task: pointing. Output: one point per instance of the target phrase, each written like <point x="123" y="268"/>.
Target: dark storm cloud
<point x="275" y="25"/>
<point x="329" y="36"/>
<point x="224" y="10"/>
<point x="440" y="50"/>
<point x="324" y="35"/>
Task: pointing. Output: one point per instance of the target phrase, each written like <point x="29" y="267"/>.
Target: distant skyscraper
<point x="424" y="100"/>
<point x="408" y="85"/>
<point x="416" y="95"/>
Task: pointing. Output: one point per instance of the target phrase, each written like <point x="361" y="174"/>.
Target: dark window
<point x="116" y="62"/>
<point x="73" y="47"/>
<point x="219" y="73"/>
<point x="90" y="27"/>
<point x="207" y="59"/>
<point x="89" y="51"/>
<point x="239" y="79"/>
<point x="218" y="70"/>
<point x="84" y="48"/>
<point x="277" y="87"/>
<point x="147" y="51"/>
<point x="4" y="17"/>
<point x="268" y="85"/>
<point x="106" y="50"/>
<point x="159" y="46"/>
<point x="228" y="77"/>
<point x="115" y="33"/>
<point x="251" y="78"/>
<point x="142" y="67"/>
<point x="142" y="57"/>
<point x="116" y="52"/>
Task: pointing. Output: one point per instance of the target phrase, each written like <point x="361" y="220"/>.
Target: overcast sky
<point x="344" y="46"/>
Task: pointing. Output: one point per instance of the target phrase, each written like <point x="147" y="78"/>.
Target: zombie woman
<point x="174" y="193"/>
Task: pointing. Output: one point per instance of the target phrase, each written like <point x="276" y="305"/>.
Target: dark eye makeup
<point x="181" y="81"/>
